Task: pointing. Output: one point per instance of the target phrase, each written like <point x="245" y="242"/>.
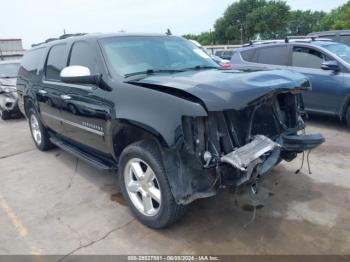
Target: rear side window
<point x="56" y="62"/>
<point x="84" y="55"/>
<point x="275" y="55"/>
<point x="308" y="58"/>
<point x="249" y="56"/>
<point x="32" y="60"/>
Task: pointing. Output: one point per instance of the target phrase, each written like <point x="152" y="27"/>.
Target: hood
<point x="227" y="89"/>
<point x="8" y="81"/>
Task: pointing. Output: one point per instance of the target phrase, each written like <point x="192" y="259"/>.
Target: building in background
<point x="11" y="49"/>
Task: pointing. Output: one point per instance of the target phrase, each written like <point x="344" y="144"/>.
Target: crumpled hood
<point x="8" y="81"/>
<point x="228" y="89"/>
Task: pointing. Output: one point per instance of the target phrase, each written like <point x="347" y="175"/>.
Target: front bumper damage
<point x="258" y="157"/>
<point x="250" y="158"/>
<point x="233" y="148"/>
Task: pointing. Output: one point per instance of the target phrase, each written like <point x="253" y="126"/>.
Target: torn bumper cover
<point x="251" y="158"/>
<point x="261" y="154"/>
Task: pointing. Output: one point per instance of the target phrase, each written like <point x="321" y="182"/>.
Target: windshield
<point x="343" y="51"/>
<point x="129" y="55"/>
<point x="9" y="70"/>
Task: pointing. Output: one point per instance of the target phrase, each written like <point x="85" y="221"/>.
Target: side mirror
<point x="330" y="65"/>
<point x="79" y="75"/>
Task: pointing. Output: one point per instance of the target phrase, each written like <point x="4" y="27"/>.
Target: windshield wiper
<point x="200" y="67"/>
<point x="153" y="71"/>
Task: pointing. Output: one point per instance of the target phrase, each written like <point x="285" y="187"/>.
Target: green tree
<point x="204" y="38"/>
<point x="250" y="18"/>
<point x="338" y="18"/>
<point x="304" y="22"/>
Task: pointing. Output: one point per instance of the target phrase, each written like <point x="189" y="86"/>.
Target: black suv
<point x="161" y="111"/>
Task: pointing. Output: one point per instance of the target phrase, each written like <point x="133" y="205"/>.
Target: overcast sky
<point x="37" y="20"/>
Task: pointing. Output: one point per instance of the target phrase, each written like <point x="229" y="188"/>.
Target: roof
<point x="325" y="33"/>
<point x="83" y="36"/>
<point x="307" y="41"/>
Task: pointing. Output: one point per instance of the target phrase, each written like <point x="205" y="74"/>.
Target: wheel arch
<point x="27" y="104"/>
<point x="127" y="133"/>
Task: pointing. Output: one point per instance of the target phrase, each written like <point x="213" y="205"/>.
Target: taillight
<point x="227" y="66"/>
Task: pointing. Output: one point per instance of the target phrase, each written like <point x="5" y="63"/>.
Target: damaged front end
<point x="236" y="147"/>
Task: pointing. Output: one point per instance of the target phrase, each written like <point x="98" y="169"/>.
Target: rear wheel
<point x="39" y="133"/>
<point x="4" y="115"/>
<point x="347" y="116"/>
<point x="145" y="186"/>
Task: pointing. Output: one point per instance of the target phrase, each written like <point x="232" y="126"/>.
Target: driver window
<point x="82" y="54"/>
<point x="307" y="57"/>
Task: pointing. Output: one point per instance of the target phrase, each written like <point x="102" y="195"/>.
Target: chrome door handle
<point x="66" y="97"/>
<point x="43" y="92"/>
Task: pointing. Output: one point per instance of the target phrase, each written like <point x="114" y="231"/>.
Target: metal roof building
<point x="11" y="49"/>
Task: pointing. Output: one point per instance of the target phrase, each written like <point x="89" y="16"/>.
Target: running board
<point x="83" y="155"/>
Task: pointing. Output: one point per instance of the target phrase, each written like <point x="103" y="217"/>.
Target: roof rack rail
<point x="70" y="35"/>
<point x="288" y="39"/>
<point x="64" y="36"/>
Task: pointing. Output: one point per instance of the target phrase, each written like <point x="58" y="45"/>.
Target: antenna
<point x="168" y="32"/>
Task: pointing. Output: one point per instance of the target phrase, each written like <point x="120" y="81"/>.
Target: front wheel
<point x="145" y="186"/>
<point x="39" y="133"/>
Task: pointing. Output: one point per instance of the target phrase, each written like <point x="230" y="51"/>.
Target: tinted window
<point x="307" y="57"/>
<point x="84" y="55"/>
<point x="56" y="62"/>
<point x="32" y="59"/>
<point x="276" y="55"/>
<point x="249" y="56"/>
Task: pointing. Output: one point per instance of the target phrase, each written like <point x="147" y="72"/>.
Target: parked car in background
<point x="224" y="54"/>
<point x="222" y="62"/>
<point x="326" y="63"/>
<point x="175" y="125"/>
<point x="341" y="36"/>
<point x="8" y="95"/>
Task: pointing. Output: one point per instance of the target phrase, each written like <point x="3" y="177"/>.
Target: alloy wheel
<point x="36" y="132"/>
<point x="142" y="186"/>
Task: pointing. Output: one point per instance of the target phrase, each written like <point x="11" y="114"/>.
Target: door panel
<point x="327" y="85"/>
<point x="49" y="96"/>
<point x="85" y="117"/>
<point x="50" y="91"/>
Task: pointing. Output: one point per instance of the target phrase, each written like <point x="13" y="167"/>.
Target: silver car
<point x="8" y="93"/>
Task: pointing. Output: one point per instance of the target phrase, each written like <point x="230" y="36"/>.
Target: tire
<point x="137" y="161"/>
<point x="4" y="115"/>
<point x="38" y="130"/>
<point x="347" y="117"/>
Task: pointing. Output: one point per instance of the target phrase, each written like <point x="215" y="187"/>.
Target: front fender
<point x="155" y="110"/>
